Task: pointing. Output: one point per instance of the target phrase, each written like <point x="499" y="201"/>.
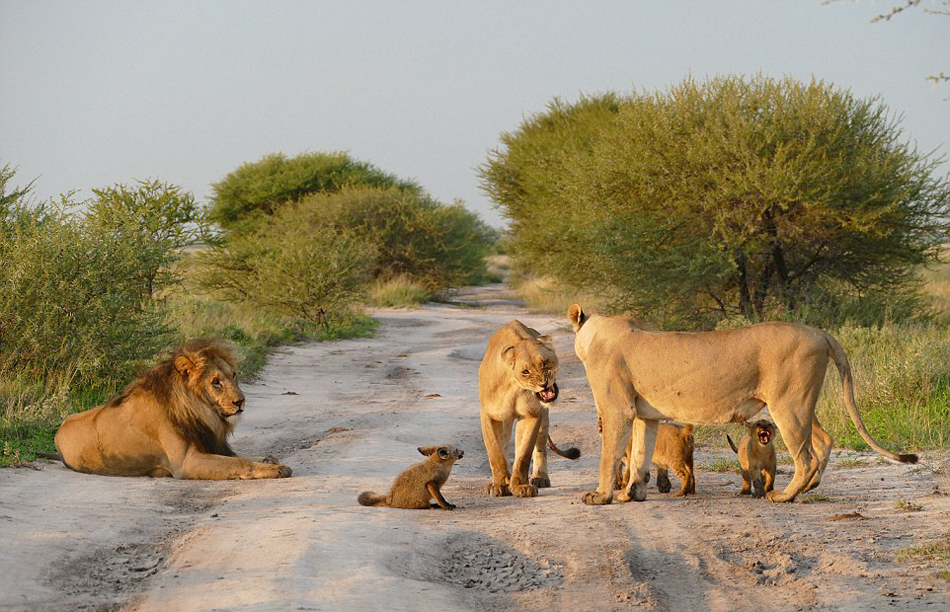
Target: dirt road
<point x="348" y="416"/>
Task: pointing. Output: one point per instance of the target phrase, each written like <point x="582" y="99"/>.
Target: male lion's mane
<point x="187" y="405"/>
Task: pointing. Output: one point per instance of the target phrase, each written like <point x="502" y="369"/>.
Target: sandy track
<point x="348" y="417"/>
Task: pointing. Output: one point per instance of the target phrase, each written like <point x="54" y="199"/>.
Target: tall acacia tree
<point x="758" y="197"/>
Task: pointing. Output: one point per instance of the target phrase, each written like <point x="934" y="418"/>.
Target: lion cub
<point x="673" y="452"/>
<point x="416" y="486"/>
<point x="756" y="458"/>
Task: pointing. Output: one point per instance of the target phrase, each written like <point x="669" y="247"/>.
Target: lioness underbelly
<point x="699" y="412"/>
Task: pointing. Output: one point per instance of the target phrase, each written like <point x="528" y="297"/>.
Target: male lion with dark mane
<point x="173" y="420"/>
<point x="639" y="376"/>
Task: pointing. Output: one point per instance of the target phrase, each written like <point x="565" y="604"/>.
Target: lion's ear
<point x="508" y="354"/>
<point x="576" y="316"/>
<point x="184" y="366"/>
<point x="547" y="341"/>
<point x="427" y="450"/>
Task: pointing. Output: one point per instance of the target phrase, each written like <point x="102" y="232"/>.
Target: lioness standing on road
<point x="639" y="377"/>
<point x="516" y="380"/>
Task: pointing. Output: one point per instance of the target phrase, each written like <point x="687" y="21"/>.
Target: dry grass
<point x="546" y="296"/>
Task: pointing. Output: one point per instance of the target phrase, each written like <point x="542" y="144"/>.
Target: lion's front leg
<point x="642" y="443"/>
<point x="197" y="465"/>
<point x="492" y="432"/>
<point x="614" y="439"/>
<point x="526" y="437"/>
<point x="539" y="459"/>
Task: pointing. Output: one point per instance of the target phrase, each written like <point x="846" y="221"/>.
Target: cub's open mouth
<point x="548" y="394"/>
<point x="764" y="436"/>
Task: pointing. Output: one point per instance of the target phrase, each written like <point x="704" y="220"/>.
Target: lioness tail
<point x="568" y="453"/>
<point x="847" y="384"/>
<point x="732" y="444"/>
<point x="368" y="498"/>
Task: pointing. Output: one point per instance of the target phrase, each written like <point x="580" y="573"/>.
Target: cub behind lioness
<point x="756" y="458"/>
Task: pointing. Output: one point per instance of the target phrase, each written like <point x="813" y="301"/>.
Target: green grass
<point x="723" y="465"/>
<point x="850" y="463"/>
<point x="907" y="506"/>
<point x="933" y="553"/>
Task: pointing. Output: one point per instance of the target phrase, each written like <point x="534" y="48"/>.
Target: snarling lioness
<point x="640" y="376"/>
<point x="516" y="380"/>
<point x="173" y="420"/>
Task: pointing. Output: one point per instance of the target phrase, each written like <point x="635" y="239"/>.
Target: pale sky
<point x="94" y="92"/>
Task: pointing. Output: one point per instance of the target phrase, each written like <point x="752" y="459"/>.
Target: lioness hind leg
<point x="539" y="459"/>
<point x="796" y="433"/>
<point x="493" y="432"/>
<point x="822" y="444"/>
<point x="526" y="436"/>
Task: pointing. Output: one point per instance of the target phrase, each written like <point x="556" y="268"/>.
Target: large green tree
<point x="758" y="197"/>
<point x="255" y="191"/>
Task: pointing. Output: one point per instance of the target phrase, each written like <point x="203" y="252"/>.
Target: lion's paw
<point x="663" y="485"/>
<point x="498" y="489"/>
<point x="596" y="498"/>
<point x="639" y="491"/>
<point x="527" y="490"/>
<point x="541" y="482"/>
<point x="778" y="497"/>
<point x="283" y="471"/>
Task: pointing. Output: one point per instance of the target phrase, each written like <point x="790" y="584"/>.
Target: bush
<point x="758" y="197"/>
<point x="292" y="269"/>
<point x="247" y="196"/>
<point x="71" y="298"/>
<point x="413" y="236"/>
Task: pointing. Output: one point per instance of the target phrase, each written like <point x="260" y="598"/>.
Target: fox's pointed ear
<point x="427" y="450"/>
<point x="576" y="316"/>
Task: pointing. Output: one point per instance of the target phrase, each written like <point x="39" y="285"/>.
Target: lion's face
<point x="215" y="380"/>
<point x="763" y="431"/>
<point x="535" y="366"/>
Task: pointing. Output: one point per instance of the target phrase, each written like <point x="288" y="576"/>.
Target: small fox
<point x="756" y="458"/>
<point x="417" y="485"/>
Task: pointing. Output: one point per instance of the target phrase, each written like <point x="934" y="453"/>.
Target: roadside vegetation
<point x="735" y="200"/>
<point x="289" y="250"/>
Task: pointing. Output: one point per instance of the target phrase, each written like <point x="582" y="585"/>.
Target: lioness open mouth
<point x="764" y="436"/>
<point x="548" y="394"/>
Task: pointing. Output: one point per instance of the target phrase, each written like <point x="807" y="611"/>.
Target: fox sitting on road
<point x="416" y="486"/>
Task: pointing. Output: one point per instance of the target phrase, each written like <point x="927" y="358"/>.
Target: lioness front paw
<point x="498" y="489"/>
<point x="450" y="507"/>
<point x="596" y="498"/>
<point x="541" y="482"/>
<point x="525" y="490"/>
<point x="283" y="471"/>
<point x="778" y="497"/>
<point x="663" y="485"/>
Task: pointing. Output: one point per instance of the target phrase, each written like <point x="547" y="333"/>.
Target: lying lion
<point x="173" y="420"/>
<point x="516" y="381"/>
<point x="640" y="376"/>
